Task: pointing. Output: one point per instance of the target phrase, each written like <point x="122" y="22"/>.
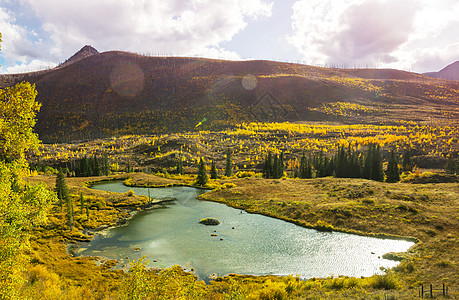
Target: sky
<point x="412" y="35"/>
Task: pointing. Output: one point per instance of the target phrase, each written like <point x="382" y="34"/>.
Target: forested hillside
<point x="115" y="93"/>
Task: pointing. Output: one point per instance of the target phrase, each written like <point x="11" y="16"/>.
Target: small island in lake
<point x="210" y="221"/>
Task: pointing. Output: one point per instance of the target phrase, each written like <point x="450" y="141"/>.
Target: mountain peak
<point x="84" y="52"/>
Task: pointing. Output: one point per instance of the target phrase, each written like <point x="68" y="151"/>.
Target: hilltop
<point x="84" y="52"/>
<point x="111" y="93"/>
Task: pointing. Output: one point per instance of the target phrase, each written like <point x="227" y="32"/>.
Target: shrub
<point x="351" y="282"/>
<point x="387" y="281"/>
<point x="243" y="174"/>
<point x="130" y="193"/>
<point x="273" y="291"/>
<point x="228" y="185"/>
<point x="336" y="283"/>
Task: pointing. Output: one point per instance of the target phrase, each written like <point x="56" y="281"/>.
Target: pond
<point x="243" y="243"/>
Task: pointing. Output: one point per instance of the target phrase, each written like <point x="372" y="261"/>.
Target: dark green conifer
<point x="61" y="188"/>
<point x="392" y="173"/>
<point x="229" y="164"/>
<point x="70" y="213"/>
<point x="179" y="167"/>
<point x="105" y="164"/>
<point x="452" y="166"/>
<point x="308" y="173"/>
<point x="213" y="171"/>
<point x="81" y="203"/>
<point x="377" y="172"/>
<point x="280" y="167"/>
<point x="128" y="167"/>
<point x="407" y="166"/>
<point x="303" y="166"/>
<point x="202" y="174"/>
<point x="268" y="167"/>
<point x="275" y="167"/>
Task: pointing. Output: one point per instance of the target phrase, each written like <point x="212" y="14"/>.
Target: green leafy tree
<point x="213" y="171"/>
<point x="22" y="206"/>
<point x="229" y="164"/>
<point x="136" y="285"/>
<point x="202" y="174"/>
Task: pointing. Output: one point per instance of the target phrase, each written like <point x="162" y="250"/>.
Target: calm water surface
<point x="257" y="245"/>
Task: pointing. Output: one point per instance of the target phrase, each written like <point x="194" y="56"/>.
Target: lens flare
<point x="127" y="79"/>
<point x="249" y="82"/>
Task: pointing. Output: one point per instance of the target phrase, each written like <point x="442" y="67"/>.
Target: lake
<point x="243" y="243"/>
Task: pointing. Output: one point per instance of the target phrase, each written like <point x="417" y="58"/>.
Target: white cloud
<point x="377" y="33"/>
<point x="33" y="65"/>
<point x="175" y="27"/>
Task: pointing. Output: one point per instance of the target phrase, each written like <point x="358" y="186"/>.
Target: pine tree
<point x="407" y="165"/>
<point x="280" y="166"/>
<point x="213" y="171"/>
<point x="61" y="188"/>
<point x="303" y="167"/>
<point x="377" y="172"/>
<point x="341" y="163"/>
<point x="70" y="213"/>
<point x="368" y="162"/>
<point x="81" y="203"/>
<point x="96" y="166"/>
<point x="392" y="173"/>
<point x="451" y="165"/>
<point x="179" y="167"/>
<point x="202" y="174"/>
<point x="229" y="164"/>
<point x="275" y="167"/>
<point x="268" y="167"/>
<point x="105" y="164"/>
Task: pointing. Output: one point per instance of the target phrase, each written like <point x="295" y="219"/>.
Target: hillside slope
<point x="450" y="72"/>
<point x="113" y="93"/>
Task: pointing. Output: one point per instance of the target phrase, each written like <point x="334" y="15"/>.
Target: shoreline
<point x="398" y="256"/>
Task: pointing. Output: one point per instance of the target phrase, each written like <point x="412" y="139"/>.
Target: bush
<point x="336" y="284"/>
<point x="387" y="281"/>
<point x="243" y="174"/>
<point x="273" y="291"/>
<point x="228" y="185"/>
<point x="130" y="193"/>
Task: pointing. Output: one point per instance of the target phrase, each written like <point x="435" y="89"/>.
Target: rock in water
<point x="209" y="221"/>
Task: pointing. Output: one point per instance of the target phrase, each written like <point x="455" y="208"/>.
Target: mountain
<point x="450" y="72"/>
<point x="112" y="93"/>
<point x="84" y="52"/>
